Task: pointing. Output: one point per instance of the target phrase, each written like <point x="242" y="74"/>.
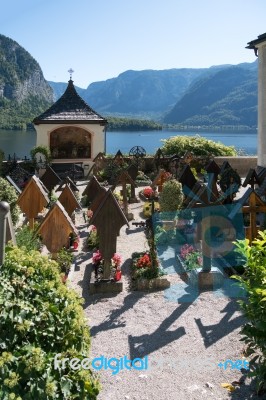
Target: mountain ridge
<point x="160" y="94"/>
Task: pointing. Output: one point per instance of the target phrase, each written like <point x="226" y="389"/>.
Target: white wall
<point x="97" y="138"/>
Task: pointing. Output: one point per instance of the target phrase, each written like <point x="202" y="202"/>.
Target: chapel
<point x="73" y="131"/>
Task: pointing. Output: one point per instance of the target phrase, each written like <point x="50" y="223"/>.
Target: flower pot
<point x="118" y="276"/>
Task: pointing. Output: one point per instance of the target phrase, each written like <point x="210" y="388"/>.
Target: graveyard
<point x="150" y="247"/>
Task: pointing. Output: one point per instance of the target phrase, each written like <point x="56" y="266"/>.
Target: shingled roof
<point x="254" y="43"/>
<point x="70" y="107"/>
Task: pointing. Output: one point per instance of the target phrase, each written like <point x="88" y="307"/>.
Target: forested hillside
<point x="227" y="98"/>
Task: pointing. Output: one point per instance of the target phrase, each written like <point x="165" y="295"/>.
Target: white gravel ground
<point x="183" y="342"/>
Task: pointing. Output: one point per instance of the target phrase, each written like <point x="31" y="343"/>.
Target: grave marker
<point x="56" y="228"/>
<point x="50" y="179"/>
<point x="108" y="219"/>
<point x="33" y="199"/>
<point x="68" y="200"/>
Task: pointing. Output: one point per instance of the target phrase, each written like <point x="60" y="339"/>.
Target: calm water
<point x="20" y="143"/>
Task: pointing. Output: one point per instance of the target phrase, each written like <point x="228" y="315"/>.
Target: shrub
<point x="93" y="238"/>
<point x="254" y="282"/>
<point x="39" y="318"/>
<point x="171" y="197"/>
<point x="44" y="150"/>
<point x="64" y="259"/>
<point x="197" y="146"/>
<point x="26" y="237"/>
<point x="8" y="194"/>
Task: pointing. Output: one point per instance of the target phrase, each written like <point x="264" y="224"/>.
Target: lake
<point x="21" y="143"/>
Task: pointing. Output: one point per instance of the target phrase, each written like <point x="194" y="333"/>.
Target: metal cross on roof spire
<point x="70" y="72"/>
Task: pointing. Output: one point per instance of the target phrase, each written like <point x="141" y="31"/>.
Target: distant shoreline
<point x="195" y="129"/>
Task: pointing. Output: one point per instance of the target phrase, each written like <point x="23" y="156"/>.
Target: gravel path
<point x="184" y="341"/>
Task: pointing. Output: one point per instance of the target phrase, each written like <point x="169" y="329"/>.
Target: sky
<point x="100" y="39"/>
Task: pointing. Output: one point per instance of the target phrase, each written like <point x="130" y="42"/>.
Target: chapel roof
<point x="253" y="43"/>
<point x="70" y="107"/>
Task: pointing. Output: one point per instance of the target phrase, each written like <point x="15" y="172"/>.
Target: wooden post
<point x="31" y="223"/>
<point x="206" y="240"/>
<point x="4" y="210"/>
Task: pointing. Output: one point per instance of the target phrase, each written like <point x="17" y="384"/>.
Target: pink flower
<point x="92" y="228"/>
<point x="89" y="213"/>
<point x="199" y="260"/>
<point x="116" y="260"/>
<point x="185" y="250"/>
<point x="96" y="257"/>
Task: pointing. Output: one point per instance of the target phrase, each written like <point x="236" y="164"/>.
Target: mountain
<point x="147" y="93"/>
<point x="219" y="95"/>
<point x="228" y="97"/>
<point x="60" y="87"/>
<point x="24" y="93"/>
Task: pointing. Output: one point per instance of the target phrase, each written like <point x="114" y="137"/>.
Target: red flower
<point x="116" y="260"/>
<point x="144" y="261"/>
<point x="148" y="192"/>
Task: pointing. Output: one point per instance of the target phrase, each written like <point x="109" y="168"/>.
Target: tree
<point x="197" y="146"/>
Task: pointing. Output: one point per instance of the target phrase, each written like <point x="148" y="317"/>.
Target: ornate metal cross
<point x="70" y="71"/>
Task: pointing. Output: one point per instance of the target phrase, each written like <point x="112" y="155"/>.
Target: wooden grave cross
<point x="125" y="179"/>
<point x="108" y="219"/>
<point x="187" y="178"/>
<point x="69" y="200"/>
<point x="33" y="199"/>
<point x="92" y="189"/>
<point x="132" y="171"/>
<point x="159" y="180"/>
<point x="50" y="179"/>
<point x="118" y="158"/>
<point x="254" y="206"/>
<point x="252" y="179"/>
<point x="67" y="181"/>
<point x="99" y="163"/>
<point x="204" y="198"/>
<point x="56" y="228"/>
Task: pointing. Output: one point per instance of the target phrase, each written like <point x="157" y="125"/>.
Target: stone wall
<point x="242" y="163"/>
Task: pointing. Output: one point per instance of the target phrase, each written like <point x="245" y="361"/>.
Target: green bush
<point x="171" y="197"/>
<point x="64" y="260"/>
<point x="93" y="239"/>
<point x="8" y="194"/>
<point x="197" y="146"/>
<point x="254" y="282"/>
<point x="39" y="318"/>
<point x="28" y="238"/>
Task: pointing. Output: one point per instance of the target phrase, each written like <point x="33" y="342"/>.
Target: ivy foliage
<point x="28" y="238"/>
<point x="254" y="282"/>
<point x="44" y="150"/>
<point x="196" y="145"/>
<point x="40" y="317"/>
<point x="8" y="194"/>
